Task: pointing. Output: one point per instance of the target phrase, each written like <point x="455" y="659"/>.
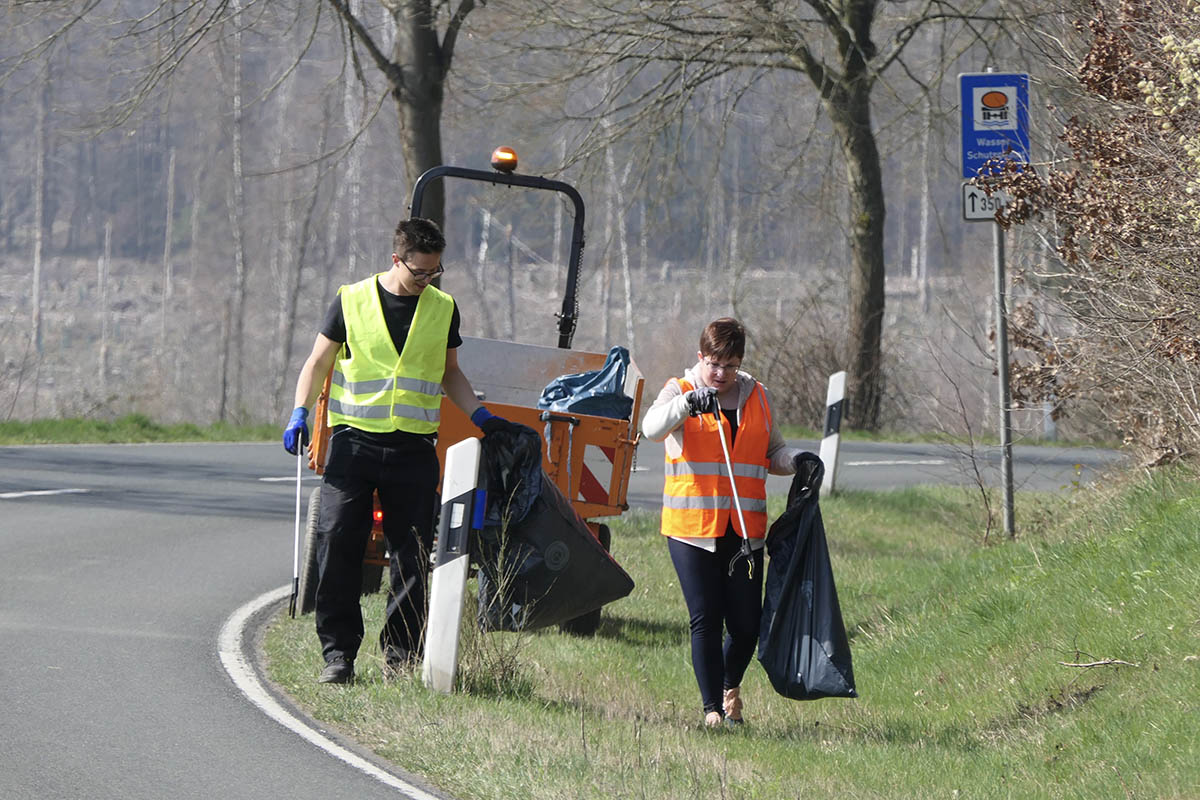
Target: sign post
<point x="995" y="126"/>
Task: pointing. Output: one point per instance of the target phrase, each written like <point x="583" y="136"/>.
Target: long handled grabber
<point x="745" y="551"/>
<point x="296" y="541"/>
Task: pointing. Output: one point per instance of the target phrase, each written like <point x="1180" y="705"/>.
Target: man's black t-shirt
<point x="398" y="311"/>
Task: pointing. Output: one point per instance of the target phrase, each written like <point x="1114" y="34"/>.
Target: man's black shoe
<point x="337" y="671"/>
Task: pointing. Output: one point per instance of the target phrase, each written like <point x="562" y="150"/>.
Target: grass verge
<point x="130" y="428"/>
<point x="961" y="655"/>
<point x="986" y="438"/>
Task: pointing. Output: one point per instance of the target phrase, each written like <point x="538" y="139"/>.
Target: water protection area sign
<point x="995" y="118"/>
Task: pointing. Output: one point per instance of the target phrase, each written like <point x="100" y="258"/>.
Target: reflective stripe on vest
<point x="748" y="504"/>
<point x="697" y="498"/>
<point x="377" y="389"/>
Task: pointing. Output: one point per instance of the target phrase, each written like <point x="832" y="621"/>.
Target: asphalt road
<point x="119" y="565"/>
<point x="111" y="601"/>
<point x="883" y="465"/>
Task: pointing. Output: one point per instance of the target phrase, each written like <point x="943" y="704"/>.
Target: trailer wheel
<point x="308" y="555"/>
<point x="587" y="624"/>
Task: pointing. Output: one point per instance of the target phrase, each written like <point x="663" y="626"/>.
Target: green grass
<point x="988" y="438"/>
<point x="130" y="428"/>
<point x="957" y="656"/>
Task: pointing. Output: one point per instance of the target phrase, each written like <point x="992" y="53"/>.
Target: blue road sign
<point x="995" y="118"/>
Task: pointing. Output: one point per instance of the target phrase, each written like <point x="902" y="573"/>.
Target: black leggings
<point x="718" y="602"/>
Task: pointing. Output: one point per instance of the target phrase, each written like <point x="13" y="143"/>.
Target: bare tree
<point x="236" y="313"/>
<point x="414" y="64"/>
<point x="166" y="259"/>
<point x="415" y="70"/>
<point x="665" y="53"/>
<point x="39" y="207"/>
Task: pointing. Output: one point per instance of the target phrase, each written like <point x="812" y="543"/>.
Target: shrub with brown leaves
<point x="1117" y="317"/>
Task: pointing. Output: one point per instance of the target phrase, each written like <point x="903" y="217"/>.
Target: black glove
<point x="701" y="401"/>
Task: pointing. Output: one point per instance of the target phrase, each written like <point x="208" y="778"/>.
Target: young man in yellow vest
<point x="721" y="586"/>
<point x="391" y="342"/>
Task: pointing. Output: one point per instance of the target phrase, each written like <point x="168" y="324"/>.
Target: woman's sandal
<point x="733" y="706"/>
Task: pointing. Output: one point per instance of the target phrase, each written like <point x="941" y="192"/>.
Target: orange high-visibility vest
<point x="697" y="499"/>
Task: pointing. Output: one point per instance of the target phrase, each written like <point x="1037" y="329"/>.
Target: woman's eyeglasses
<point x="724" y="368"/>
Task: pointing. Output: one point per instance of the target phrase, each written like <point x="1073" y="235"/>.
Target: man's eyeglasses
<point x="421" y="274"/>
<point x="725" y="368"/>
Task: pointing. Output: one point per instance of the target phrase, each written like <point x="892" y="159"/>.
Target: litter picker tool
<point x="296" y="539"/>
<point x="745" y="552"/>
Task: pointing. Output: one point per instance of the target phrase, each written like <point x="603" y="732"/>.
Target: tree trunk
<point x="512" y="281"/>
<point x="292" y="273"/>
<point x="850" y="112"/>
<point x="605" y="285"/>
<point x="353" y="114"/>
<point x="39" y="212"/>
<point x="616" y="192"/>
<point x="477" y="274"/>
<point x="166" y="261"/>
<point x="102" y="280"/>
<point x="417" y="55"/>
<point x="926" y="201"/>
<point x="236" y="204"/>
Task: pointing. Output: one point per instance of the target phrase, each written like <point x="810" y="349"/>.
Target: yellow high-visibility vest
<point x="376" y="389"/>
<point x="697" y="496"/>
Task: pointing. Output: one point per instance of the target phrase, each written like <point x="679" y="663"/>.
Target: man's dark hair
<point x="418" y="235"/>
<point x="724" y="338"/>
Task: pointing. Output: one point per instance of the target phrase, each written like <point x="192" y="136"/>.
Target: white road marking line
<point x="237" y="664"/>
<point x="291" y="478"/>
<point x="899" y="462"/>
<point x="40" y="493"/>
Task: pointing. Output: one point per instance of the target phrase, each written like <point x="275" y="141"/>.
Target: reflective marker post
<point x="462" y="515"/>
<point x="835" y="397"/>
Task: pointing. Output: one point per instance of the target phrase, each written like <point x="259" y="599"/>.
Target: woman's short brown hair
<point x="723" y="339"/>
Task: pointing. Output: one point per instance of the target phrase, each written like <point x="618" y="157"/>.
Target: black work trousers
<point x="406" y="480"/>
<point x="718" y="602"/>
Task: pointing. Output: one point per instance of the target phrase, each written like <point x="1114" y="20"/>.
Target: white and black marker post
<point x="462" y="512"/>
<point x="835" y="397"/>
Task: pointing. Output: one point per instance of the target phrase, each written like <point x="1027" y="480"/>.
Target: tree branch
<point x="393" y="72"/>
<point x="456" y="23"/>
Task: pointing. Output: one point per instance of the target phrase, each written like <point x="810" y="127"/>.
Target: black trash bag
<point x="539" y="563"/>
<point x="599" y="393"/>
<point x="512" y="465"/>
<point x="802" y="642"/>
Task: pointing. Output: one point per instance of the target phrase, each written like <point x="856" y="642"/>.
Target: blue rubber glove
<point x="295" y="435"/>
<point x="489" y="423"/>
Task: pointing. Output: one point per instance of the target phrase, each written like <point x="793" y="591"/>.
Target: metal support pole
<point x="1006" y="469"/>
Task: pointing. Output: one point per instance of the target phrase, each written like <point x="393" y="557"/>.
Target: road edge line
<point x="240" y="668"/>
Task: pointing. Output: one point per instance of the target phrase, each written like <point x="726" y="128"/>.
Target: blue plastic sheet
<point x="599" y="393"/>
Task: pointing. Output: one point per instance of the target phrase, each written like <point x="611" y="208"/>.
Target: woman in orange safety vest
<point x="722" y="590"/>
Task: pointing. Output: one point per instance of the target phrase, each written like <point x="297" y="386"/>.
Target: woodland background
<point x="185" y="184"/>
